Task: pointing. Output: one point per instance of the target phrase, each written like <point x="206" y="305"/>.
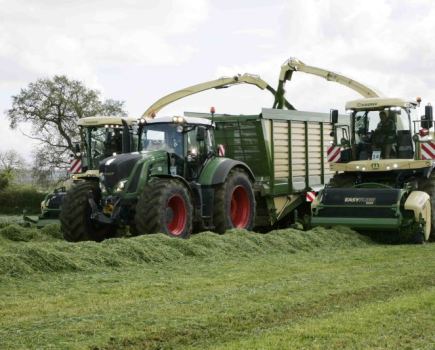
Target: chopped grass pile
<point x="25" y="251"/>
<point x="6" y="220"/>
<point x="17" y="233"/>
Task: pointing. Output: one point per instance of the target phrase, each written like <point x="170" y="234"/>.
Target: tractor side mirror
<point x="77" y="147"/>
<point x="200" y="133"/>
<point x="427" y="122"/>
<point x="126" y="144"/>
<point x="334" y="116"/>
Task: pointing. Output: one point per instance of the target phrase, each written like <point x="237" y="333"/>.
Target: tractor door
<point x="199" y="146"/>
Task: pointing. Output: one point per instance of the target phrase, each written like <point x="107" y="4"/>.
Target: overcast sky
<point x="137" y="51"/>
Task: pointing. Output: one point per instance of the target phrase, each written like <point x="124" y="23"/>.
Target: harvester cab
<point x="383" y="163"/>
<point x="102" y="137"/>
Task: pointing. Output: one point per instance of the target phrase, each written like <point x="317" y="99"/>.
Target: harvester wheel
<point x="234" y="203"/>
<point x="428" y="186"/>
<point x="75" y="216"/>
<point x="164" y="206"/>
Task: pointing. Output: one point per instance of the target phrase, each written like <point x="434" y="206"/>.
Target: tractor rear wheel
<point x="75" y="216"/>
<point x="164" y="206"/>
<point x="234" y="203"/>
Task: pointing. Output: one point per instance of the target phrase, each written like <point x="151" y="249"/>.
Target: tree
<point x="53" y="107"/>
<point x="11" y="164"/>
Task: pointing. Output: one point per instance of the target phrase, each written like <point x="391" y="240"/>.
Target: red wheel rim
<point x="177" y="220"/>
<point x="240" y="207"/>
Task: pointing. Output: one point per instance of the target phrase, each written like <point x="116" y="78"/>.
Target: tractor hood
<point x="118" y="167"/>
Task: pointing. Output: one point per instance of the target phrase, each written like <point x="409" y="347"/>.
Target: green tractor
<point x="174" y="182"/>
<point x="383" y="164"/>
<point x="101" y="137"/>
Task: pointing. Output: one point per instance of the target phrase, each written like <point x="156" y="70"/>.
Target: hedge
<point x="15" y="200"/>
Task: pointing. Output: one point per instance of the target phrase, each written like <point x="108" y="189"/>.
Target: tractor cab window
<point x="199" y="141"/>
<point x="383" y="134"/>
<point x="164" y="137"/>
<point x="200" y="145"/>
<point x="102" y="142"/>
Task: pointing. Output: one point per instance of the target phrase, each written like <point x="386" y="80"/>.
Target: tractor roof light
<point x="178" y="120"/>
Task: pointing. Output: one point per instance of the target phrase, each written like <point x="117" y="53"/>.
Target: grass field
<point x="287" y="289"/>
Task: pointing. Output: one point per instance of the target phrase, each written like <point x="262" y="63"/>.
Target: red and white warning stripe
<point x="310" y="196"/>
<point x="427" y="150"/>
<point x="76" y="166"/>
<point x="333" y="154"/>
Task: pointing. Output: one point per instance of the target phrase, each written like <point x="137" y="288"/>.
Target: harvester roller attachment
<point x="375" y="209"/>
<point x="359" y="208"/>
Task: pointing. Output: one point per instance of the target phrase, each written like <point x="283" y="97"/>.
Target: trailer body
<point x="286" y="151"/>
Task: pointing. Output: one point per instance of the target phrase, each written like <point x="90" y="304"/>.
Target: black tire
<point x="164" y="206"/>
<point x="75" y="216"/>
<point x="418" y="238"/>
<point x="428" y="186"/>
<point x="234" y="203"/>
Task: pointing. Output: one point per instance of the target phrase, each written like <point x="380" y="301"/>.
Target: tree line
<point x="52" y="107"/>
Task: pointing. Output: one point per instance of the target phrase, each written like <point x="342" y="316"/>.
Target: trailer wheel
<point x="234" y="203"/>
<point x="428" y="186"/>
<point x="164" y="206"/>
<point x="75" y="216"/>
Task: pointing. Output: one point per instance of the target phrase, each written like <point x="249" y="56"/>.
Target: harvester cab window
<point x="385" y="132"/>
<point x="102" y="142"/>
<point x="113" y="141"/>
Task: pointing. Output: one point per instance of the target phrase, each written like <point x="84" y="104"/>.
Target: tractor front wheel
<point x="234" y="203"/>
<point x="165" y="206"/>
<point x="428" y="186"/>
<point x="75" y="216"/>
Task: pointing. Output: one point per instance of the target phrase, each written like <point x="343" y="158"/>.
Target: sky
<point x="137" y="51"/>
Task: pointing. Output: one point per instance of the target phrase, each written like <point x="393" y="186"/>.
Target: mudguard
<point x="216" y="171"/>
<point x="419" y="203"/>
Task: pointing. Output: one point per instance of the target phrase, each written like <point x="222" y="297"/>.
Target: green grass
<point x="288" y="289"/>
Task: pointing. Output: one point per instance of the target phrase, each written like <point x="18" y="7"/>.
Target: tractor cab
<point x="189" y="142"/>
<point x="380" y="130"/>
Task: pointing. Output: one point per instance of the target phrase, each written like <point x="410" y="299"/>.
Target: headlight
<point x="120" y="185"/>
<point x="103" y="188"/>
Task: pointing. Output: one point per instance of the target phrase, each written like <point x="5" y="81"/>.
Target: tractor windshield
<point x="102" y="142"/>
<point x="383" y="134"/>
<point x="162" y="136"/>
